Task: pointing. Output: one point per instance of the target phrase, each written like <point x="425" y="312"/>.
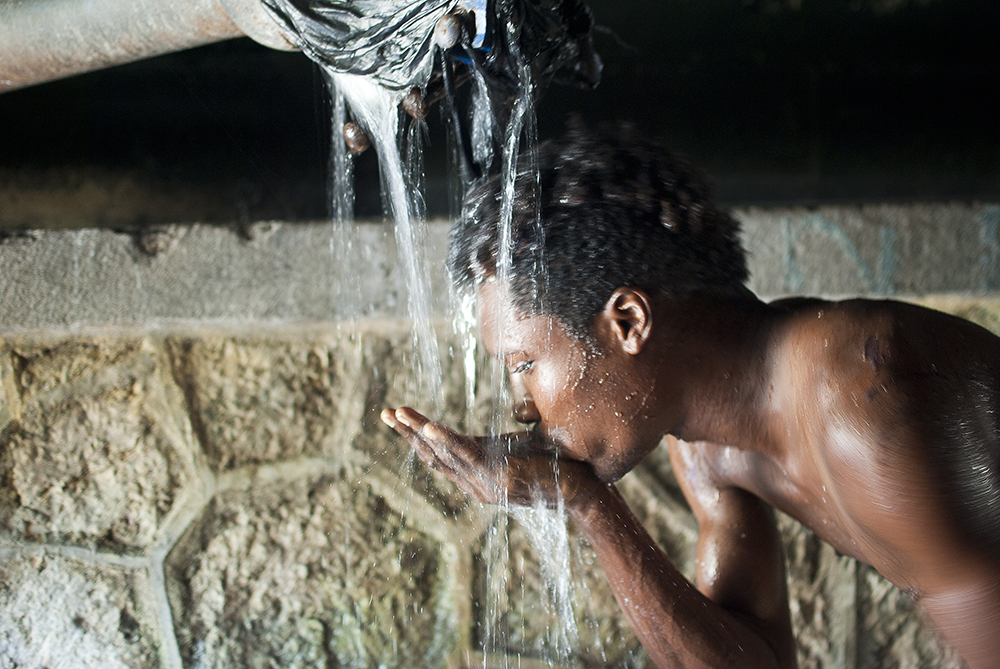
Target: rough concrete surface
<point x="288" y="272"/>
<point x="60" y="613"/>
<point x="874" y="250"/>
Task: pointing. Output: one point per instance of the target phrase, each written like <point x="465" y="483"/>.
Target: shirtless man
<point x="874" y="423"/>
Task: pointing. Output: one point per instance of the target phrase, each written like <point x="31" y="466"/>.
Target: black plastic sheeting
<point x="393" y="42"/>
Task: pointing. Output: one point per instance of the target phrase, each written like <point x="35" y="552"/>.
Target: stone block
<point x="98" y="456"/>
<point x="259" y="399"/>
<point x="822" y="599"/>
<point x="320" y="571"/>
<point x="10" y="396"/>
<point x="60" y="612"/>
<point x="894" y="632"/>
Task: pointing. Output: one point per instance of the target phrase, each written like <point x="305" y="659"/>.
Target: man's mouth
<point x="543" y="440"/>
<point x="556" y="440"/>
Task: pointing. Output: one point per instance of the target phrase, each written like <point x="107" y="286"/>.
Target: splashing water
<point x="341" y="166"/>
<point x="464" y="326"/>
<point x="549" y="536"/>
<point x="482" y="120"/>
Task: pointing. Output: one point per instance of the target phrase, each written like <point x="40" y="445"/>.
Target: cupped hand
<point x="516" y="468"/>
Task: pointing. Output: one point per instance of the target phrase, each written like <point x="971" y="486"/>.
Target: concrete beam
<point x="312" y="272"/>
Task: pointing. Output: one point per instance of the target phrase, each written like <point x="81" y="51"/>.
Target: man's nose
<point x="525" y="410"/>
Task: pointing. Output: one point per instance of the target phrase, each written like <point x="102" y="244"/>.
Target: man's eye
<point x="522" y="367"/>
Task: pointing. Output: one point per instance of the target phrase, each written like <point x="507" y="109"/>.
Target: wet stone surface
<point x="96" y="458"/>
<point x="58" y="612"/>
<point x="319" y="572"/>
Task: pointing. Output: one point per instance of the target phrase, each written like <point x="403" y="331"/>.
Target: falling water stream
<point x="376" y="109"/>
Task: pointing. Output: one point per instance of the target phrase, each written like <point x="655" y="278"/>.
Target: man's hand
<point x="516" y="468"/>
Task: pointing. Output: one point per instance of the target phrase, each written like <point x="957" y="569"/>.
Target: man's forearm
<point x="676" y="624"/>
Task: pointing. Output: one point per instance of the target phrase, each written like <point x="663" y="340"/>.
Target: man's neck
<point x="714" y="369"/>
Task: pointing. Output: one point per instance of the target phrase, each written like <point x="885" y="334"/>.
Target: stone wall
<point x="193" y="474"/>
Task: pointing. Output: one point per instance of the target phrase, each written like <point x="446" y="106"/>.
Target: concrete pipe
<point x="42" y="40"/>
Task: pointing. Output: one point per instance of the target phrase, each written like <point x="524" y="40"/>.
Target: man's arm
<point x="676" y="624"/>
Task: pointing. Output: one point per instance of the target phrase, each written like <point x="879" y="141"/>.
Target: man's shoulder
<point x="883" y="368"/>
<point x="863" y="310"/>
<point x="915" y="332"/>
<point x="891" y="396"/>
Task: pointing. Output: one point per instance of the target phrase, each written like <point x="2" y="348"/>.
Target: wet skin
<point x="876" y="424"/>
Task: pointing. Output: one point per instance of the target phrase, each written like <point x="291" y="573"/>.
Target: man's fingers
<point x="388" y="417"/>
<point x="411" y="418"/>
<point x="418" y="424"/>
<point x="437" y="446"/>
<point x="405" y="421"/>
<point x="419" y="431"/>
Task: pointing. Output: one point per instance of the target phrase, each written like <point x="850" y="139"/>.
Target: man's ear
<point x="628" y="314"/>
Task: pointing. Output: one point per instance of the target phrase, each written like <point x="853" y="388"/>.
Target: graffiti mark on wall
<point x="877" y="279"/>
<point x="989" y="259"/>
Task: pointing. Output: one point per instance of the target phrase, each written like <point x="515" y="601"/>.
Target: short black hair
<point x="604" y="210"/>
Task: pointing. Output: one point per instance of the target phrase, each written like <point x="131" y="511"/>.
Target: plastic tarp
<point x="391" y="41"/>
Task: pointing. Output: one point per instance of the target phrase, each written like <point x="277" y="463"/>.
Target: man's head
<point x="606" y="211"/>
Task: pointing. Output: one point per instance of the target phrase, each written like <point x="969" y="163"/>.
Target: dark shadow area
<point x="838" y="100"/>
<point x="780" y="101"/>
